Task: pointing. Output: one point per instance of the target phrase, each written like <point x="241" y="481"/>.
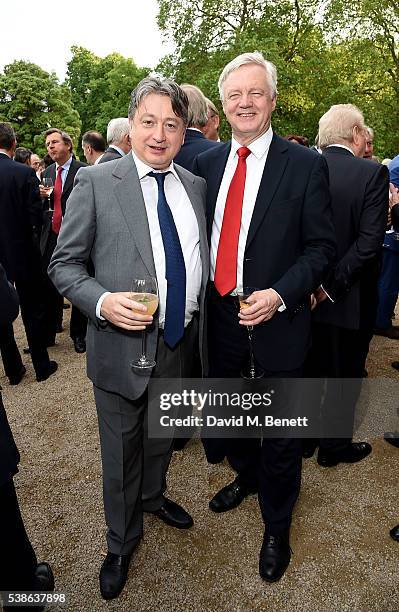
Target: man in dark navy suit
<point x="20" y="219"/>
<point x="62" y="172"/>
<point x="344" y="319"/>
<point x="269" y="225"/>
<point x="194" y="139"/>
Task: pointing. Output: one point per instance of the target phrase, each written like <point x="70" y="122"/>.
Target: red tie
<point x="57" y="214"/>
<point x="226" y="260"/>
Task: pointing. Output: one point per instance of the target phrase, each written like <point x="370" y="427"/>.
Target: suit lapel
<point x="276" y="162"/>
<point x="130" y="199"/>
<point x="198" y="207"/>
<point x="214" y="177"/>
<point x="69" y="178"/>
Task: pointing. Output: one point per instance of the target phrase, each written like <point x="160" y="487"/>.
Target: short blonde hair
<point x="336" y="125"/>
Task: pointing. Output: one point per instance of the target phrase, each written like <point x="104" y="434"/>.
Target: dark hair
<point x="302" y="140"/>
<point x="7" y="136"/>
<point x="64" y="135"/>
<point x="163" y="87"/>
<point x="22" y="155"/>
<point x="47" y="161"/>
<point x="95" y="140"/>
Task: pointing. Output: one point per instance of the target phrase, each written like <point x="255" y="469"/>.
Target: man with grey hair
<point x="194" y="141"/>
<point x="211" y="129"/>
<point x="347" y="298"/>
<point x="271" y="238"/>
<point x="139" y="217"/>
<point x="118" y="139"/>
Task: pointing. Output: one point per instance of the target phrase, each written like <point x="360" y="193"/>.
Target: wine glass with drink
<point x="144" y="291"/>
<point x="252" y="371"/>
<point x="48" y="187"/>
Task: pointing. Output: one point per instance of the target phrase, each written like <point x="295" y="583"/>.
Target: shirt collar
<point x="258" y="147"/>
<point x="341" y="146"/>
<point x="143" y="169"/>
<point x="121" y="151"/>
<point x="65" y="166"/>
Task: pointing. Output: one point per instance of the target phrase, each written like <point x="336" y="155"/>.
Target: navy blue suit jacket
<point x="194" y="144"/>
<point x="290" y="243"/>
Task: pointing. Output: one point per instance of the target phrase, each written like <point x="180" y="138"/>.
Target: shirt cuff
<point x="329" y="296"/>
<point x="99" y="304"/>
<point x="282" y="306"/>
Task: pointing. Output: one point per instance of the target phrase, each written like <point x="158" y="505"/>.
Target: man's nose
<point x="245" y="100"/>
<point x="159" y="133"/>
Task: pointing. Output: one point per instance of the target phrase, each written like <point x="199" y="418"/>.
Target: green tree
<point x="101" y="87"/>
<point x="32" y="100"/>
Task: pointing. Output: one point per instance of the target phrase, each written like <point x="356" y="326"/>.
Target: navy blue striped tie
<point x="175" y="267"/>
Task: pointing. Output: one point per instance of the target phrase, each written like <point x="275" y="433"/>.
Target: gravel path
<point x="343" y="557"/>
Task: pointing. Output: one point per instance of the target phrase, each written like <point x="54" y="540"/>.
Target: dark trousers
<point x="271" y="466"/>
<point x="29" y="287"/>
<point x="18" y="559"/>
<point x="135" y="465"/>
<point x="10" y="354"/>
<point x="337" y="354"/>
<point x="54" y="302"/>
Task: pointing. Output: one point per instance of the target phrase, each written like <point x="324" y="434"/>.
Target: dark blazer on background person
<point x="359" y="199"/>
<point x="50" y="172"/>
<point x="110" y="154"/>
<point x="53" y="300"/>
<point x="20" y="217"/>
<point x="194" y="144"/>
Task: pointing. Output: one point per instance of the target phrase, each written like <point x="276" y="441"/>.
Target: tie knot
<point x="243" y="152"/>
<point x="158" y="176"/>
<point x="60" y="169"/>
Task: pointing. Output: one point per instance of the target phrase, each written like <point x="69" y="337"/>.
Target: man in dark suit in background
<point x="344" y="319"/>
<point x="118" y="139"/>
<point x="194" y="139"/>
<point x="93" y="145"/>
<point x="62" y="172"/>
<point x="269" y="225"/>
<point x="20" y="219"/>
<point x="20" y="570"/>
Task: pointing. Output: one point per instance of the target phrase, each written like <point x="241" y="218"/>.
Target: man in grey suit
<point x="124" y="215"/>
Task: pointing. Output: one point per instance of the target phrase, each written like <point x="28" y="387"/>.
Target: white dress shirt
<point x="187" y="229"/>
<point x="64" y="172"/>
<point x="255" y="166"/>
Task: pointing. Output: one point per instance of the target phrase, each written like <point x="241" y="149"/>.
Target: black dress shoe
<point x="389" y="332"/>
<point x="230" y="496"/>
<point x="44" y="578"/>
<point x="392" y="437"/>
<point x="80" y="345"/>
<point x="394" y="533"/>
<point x="66" y="306"/>
<point x="356" y="451"/>
<point x="174" y="515"/>
<point x="52" y="367"/>
<point x="274" y="557"/>
<point x="113" y="575"/>
<point x="395" y="364"/>
<point x="15" y="380"/>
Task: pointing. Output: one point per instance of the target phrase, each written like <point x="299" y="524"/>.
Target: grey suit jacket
<point x="106" y="221"/>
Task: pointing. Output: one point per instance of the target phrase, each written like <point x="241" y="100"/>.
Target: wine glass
<point x="251" y="372"/>
<point x="48" y="187"/>
<point x="144" y="291"/>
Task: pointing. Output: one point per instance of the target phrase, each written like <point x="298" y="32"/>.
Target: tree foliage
<point x="32" y="100"/>
<point x="101" y="87"/>
<point x="326" y="52"/>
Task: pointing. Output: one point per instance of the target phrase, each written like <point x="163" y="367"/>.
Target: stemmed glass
<point x="144" y="291"/>
<point x="251" y="372"/>
<point x="48" y="187"/>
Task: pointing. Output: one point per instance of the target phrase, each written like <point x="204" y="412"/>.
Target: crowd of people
<point x="308" y="234"/>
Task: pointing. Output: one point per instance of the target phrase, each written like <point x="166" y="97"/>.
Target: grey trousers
<point x="134" y="466"/>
